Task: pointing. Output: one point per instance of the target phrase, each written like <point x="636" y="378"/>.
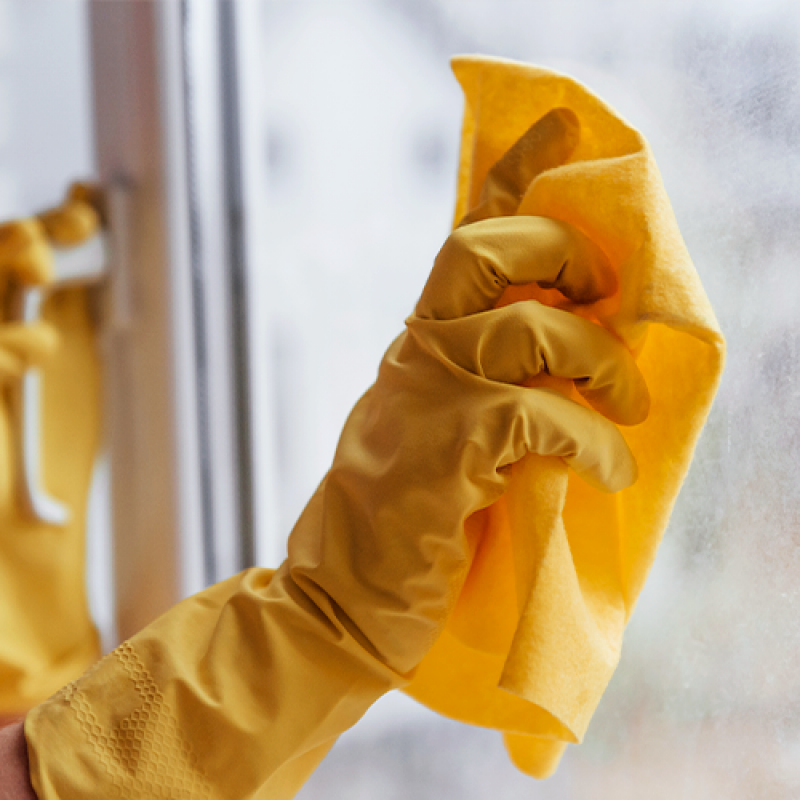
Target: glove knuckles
<point x="515" y="343"/>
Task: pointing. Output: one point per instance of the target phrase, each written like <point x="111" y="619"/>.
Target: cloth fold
<point x="558" y="565"/>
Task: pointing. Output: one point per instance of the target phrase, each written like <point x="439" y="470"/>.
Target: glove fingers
<point x="478" y="261"/>
<point x="548" y="143"/>
<point x="77" y="218"/>
<point x="70" y="224"/>
<point x="24" y="252"/>
<point x="549" y="424"/>
<point x="517" y="342"/>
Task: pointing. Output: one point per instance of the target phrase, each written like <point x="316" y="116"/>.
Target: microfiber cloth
<point x="558" y="565"/>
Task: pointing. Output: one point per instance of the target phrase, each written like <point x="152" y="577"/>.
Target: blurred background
<point x="352" y="122"/>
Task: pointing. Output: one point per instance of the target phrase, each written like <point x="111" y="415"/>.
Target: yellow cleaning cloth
<point x="46" y="634"/>
<point x="538" y="628"/>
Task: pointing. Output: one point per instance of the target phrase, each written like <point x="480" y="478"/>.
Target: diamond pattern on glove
<point x="145" y="755"/>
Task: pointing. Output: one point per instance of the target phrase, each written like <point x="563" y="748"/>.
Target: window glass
<point x="360" y="127"/>
<point x="45" y="111"/>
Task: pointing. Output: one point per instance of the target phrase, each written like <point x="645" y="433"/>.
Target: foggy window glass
<point x="360" y="132"/>
<point x="45" y="104"/>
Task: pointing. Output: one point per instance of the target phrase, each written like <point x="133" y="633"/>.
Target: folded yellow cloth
<point x="558" y="565"/>
<point x="46" y="633"/>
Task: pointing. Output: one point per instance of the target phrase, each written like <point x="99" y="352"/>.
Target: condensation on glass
<point x="360" y="126"/>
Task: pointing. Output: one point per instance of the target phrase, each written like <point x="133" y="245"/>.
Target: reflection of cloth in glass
<point x="559" y="566"/>
<point x="46" y="634"/>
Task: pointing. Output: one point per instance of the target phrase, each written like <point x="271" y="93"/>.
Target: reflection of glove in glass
<point x="46" y="634"/>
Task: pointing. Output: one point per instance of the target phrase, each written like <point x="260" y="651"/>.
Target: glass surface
<point x="45" y="103"/>
<point x="360" y="129"/>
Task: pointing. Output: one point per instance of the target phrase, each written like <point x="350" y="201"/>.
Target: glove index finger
<point x="548" y="143"/>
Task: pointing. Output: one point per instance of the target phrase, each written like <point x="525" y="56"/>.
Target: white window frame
<point x="185" y="448"/>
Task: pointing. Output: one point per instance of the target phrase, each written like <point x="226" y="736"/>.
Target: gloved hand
<point x="243" y="688"/>
<point x="433" y="440"/>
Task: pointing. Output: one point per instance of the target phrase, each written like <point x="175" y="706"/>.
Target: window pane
<point x="45" y="112"/>
<point x="359" y="130"/>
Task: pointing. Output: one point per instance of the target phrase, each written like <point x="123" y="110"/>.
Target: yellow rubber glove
<point x="239" y="691"/>
<point x="46" y="634"/>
